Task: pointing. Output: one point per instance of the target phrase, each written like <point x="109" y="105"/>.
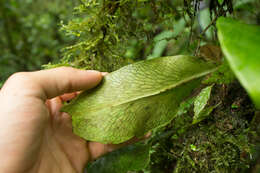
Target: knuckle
<point x="19" y="77"/>
<point x="68" y="85"/>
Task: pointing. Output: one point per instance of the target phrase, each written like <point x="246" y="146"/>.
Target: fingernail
<point x="93" y="71"/>
<point x="93" y="76"/>
<point x="104" y="73"/>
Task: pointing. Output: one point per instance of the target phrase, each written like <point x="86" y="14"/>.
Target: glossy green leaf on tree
<point x="202" y="112"/>
<point x="136" y="98"/>
<point x="205" y="113"/>
<point x="130" y="158"/>
<point x="241" y="45"/>
<point x="202" y="100"/>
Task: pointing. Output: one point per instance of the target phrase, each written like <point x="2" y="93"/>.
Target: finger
<point x="55" y="82"/>
<point x="68" y="96"/>
<point x="54" y="106"/>
<point x="104" y="73"/>
<point x="78" y="92"/>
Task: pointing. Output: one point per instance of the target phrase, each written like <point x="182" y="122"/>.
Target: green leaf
<point x="164" y="35"/>
<point x="205" y="20"/>
<point x="185" y="106"/>
<point x="241" y="3"/>
<point x="220" y="1"/>
<point x="200" y="112"/>
<point x="193" y="147"/>
<point x="158" y="50"/>
<point x="240" y="44"/>
<point x="178" y="26"/>
<point x="204" y="114"/>
<point x="131" y="158"/>
<point x="202" y="100"/>
<point x="136" y="98"/>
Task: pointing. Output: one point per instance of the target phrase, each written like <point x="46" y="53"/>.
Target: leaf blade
<point x="130" y="158"/>
<point x="240" y="44"/>
<point x="136" y="98"/>
<point x="202" y="100"/>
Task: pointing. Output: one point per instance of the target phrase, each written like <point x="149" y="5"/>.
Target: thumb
<point x="55" y="82"/>
<point x="48" y="84"/>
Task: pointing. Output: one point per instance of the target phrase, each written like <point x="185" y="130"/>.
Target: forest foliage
<point x="30" y="34"/>
<point x="215" y="130"/>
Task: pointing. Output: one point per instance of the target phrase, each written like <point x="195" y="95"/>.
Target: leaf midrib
<point x="154" y="93"/>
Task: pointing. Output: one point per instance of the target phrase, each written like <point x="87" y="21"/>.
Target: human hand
<point x="34" y="135"/>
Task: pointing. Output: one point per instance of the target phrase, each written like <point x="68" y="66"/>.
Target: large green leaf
<point x="131" y="158"/>
<point x="136" y="98"/>
<point x="241" y="45"/>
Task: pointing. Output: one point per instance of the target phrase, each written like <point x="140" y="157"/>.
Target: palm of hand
<point x="61" y="147"/>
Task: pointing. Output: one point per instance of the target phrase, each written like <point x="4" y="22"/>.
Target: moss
<point x="113" y="33"/>
<point x="221" y="143"/>
<point x="223" y="75"/>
